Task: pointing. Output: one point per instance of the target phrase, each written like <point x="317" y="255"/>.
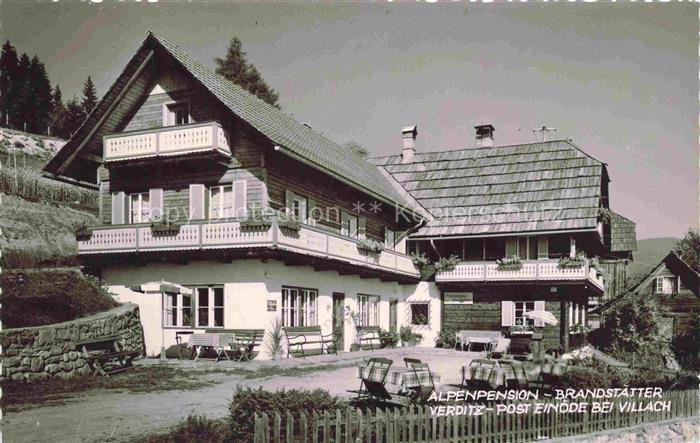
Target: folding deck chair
<point x="379" y="364"/>
<point x="421" y="393"/>
<point x="498" y="348"/>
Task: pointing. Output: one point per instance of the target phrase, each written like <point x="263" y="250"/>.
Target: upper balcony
<point x="167" y="141"/>
<point x="530" y="271"/>
<point x="309" y="241"/>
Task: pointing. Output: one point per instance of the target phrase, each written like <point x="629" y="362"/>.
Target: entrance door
<point x="339" y="318"/>
<point x="393" y="313"/>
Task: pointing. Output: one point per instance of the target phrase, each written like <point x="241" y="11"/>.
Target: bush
<point x="38" y="298"/>
<point x="194" y="429"/>
<point x="247" y="402"/>
<point x="446" y="338"/>
<point x="687" y="345"/>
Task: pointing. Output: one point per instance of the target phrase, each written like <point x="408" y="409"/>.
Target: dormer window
<point x="177" y="113"/>
<point x="666" y="285"/>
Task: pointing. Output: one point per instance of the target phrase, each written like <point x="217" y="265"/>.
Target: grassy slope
<point x="649" y="253"/>
<point x="35" y="232"/>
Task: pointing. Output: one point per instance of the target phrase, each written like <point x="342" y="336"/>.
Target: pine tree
<point x="8" y="71"/>
<point x="688" y="248"/>
<point x="58" y="111"/>
<point x="20" y="106"/>
<point x="40" y="87"/>
<point x="89" y="96"/>
<point x="73" y="118"/>
<point x="237" y="69"/>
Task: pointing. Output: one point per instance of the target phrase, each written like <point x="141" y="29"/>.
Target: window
<point x="521" y="307"/>
<point x="368" y="307"/>
<point x="178" y="310"/>
<point x="389" y="238"/>
<point x="527" y="248"/>
<point x="176" y="114"/>
<point x="420" y="313"/>
<point x="139" y="208"/>
<point x="299" y="306"/>
<point x="221" y="201"/>
<point x="299" y="207"/>
<point x="666" y="285"/>
<point x="348" y="225"/>
<point x="210" y="307"/>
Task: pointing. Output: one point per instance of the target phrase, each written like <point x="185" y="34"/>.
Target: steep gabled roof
<point x="623" y="234"/>
<point x="294" y="139"/>
<point x="537" y="187"/>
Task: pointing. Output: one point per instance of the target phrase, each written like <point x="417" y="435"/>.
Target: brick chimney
<point x="484" y="136"/>
<point x="408" y="134"/>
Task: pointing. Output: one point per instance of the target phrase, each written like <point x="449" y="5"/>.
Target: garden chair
<point x="409" y="361"/>
<point x="462" y="340"/>
<point x="498" y="348"/>
<point x="482" y="383"/>
<point x="179" y="341"/>
<point x="379" y="364"/>
<point x="422" y="393"/>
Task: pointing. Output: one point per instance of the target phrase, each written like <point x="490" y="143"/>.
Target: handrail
<point x="159" y="129"/>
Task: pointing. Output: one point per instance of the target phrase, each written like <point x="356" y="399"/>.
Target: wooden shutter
<point x="239" y="198"/>
<point x="288" y="201"/>
<point x="542" y="247"/>
<point x="511" y="247"/>
<point x="197" y="202"/>
<point x="539" y="306"/>
<point x="507" y="313"/>
<point x="389" y="242"/>
<point x="361" y="228"/>
<point x="155" y="198"/>
<point x="118" y="208"/>
<point x="400" y="241"/>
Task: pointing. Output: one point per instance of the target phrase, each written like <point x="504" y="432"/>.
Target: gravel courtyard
<point x="110" y="415"/>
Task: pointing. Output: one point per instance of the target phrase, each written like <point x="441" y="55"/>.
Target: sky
<point x="621" y="81"/>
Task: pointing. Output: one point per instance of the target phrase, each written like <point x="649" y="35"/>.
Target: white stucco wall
<point x="249" y="284"/>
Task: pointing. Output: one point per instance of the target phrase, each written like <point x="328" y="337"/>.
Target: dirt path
<point x="102" y="415"/>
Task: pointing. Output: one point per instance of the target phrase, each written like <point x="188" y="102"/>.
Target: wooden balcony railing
<point x="166" y="141"/>
<point x="213" y="234"/>
<point x="531" y="270"/>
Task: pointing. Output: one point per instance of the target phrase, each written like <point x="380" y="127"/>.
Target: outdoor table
<point x="480" y="340"/>
<point x="209" y="340"/>
<point x="498" y="372"/>
<point x="403" y="377"/>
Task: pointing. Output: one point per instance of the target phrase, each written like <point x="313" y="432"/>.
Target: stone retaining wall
<point x="43" y="352"/>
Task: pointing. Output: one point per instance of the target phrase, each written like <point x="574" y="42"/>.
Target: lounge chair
<point x="409" y="361"/>
<point x="375" y="363"/>
<point x="422" y="393"/>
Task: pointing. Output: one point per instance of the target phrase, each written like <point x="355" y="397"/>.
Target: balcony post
<point x="275" y="230"/>
<point x="214" y="135"/>
<point x="158" y="134"/>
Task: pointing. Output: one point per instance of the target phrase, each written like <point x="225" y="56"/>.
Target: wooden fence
<point x="419" y="425"/>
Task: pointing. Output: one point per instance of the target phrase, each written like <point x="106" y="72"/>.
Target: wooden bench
<point x="481" y="337"/>
<point x="104" y="355"/>
<point x="369" y="336"/>
<point x="301" y="338"/>
<point x="242" y="341"/>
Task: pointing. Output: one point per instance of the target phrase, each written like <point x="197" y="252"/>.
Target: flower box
<point x="370" y="246"/>
<point x="83" y="234"/>
<point x="509" y="264"/>
<point x="255" y="224"/>
<point x="570" y="263"/>
<point x="289" y="224"/>
<point x="164" y="228"/>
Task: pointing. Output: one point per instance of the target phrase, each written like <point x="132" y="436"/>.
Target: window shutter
<point x="506" y="313"/>
<point x="118" y="208"/>
<point x="197" y="202"/>
<point x="389" y="238"/>
<point x="511" y="247"/>
<point x="539" y="306"/>
<point x="400" y="241"/>
<point x="571" y="314"/>
<point x="155" y="197"/>
<point x="542" y="247"/>
<point x="288" y="201"/>
<point x="583" y="316"/>
<point x="361" y="228"/>
<point x="239" y="198"/>
<point x="311" y="215"/>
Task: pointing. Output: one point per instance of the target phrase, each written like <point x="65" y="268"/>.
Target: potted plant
<point x="82" y="232"/>
<point x="408" y="337"/>
<point x="160" y="226"/>
<point x="520" y="330"/>
<point x="446" y="339"/>
<point x="370" y="246"/>
<point x="424" y="265"/>
<point x="275" y="340"/>
<point x="509" y="263"/>
<point x="388" y="339"/>
<point x="572" y="262"/>
<point x="447" y="264"/>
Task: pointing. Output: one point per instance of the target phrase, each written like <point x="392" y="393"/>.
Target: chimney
<point x="408" y="134"/>
<point x="484" y="136"/>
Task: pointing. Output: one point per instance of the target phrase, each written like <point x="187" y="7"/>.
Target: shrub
<point x="247" y="402"/>
<point x="194" y="429"/>
<point x="407" y="334"/>
<point x="389" y="339"/>
<point x="687" y="345"/>
<point x="38" y="298"/>
<point x="446" y="338"/>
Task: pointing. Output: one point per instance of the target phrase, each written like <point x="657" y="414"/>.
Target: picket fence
<point x="418" y="425"/>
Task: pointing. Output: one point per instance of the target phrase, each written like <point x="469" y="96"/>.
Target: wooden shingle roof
<point x="547" y="186"/>
<point x="623" y="234"/>
<point x="294" y="138"/>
